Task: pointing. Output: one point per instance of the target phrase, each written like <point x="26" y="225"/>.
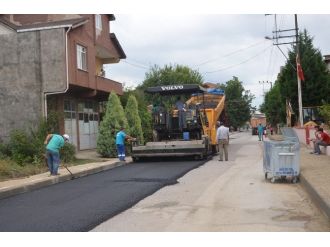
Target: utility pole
<point x="263" y="82"/>
<point x="263" y="88"/>
<point x="276" y="36"/>
<point x="301" y="121"/>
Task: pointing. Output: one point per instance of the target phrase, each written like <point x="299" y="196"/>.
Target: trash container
<point x="281" y="159"/>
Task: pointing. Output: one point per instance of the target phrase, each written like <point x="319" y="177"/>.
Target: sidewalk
<point x="314" y="177"/>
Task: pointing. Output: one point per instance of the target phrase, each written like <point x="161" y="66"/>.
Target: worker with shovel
<point x="54" y="143"/>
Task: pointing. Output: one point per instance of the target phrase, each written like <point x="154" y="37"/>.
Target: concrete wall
<point x="30" y="62"/>
<point x="5" y="30"/>
<point x="53" y="66"/>
<point x="301" y="133"/>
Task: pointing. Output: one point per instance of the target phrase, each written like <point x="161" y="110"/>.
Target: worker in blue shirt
<point x="121" y="136"/>
<point x="54" y="143"/>
<point x="261" y="132"/>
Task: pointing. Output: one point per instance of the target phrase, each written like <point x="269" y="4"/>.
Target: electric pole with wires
<point x="277" y="36"/>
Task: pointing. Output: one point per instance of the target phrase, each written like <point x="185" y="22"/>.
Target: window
<point x="81" y="57"/>
<point x="98" y="22"/>
<point x="69" y="109"/>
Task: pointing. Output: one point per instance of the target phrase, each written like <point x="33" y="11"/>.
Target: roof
<point x="45" y="25"/>
<point x="176" y="89"/>
<point x="326" y="57"/>
<point x="258" y="114"/>
<point x="117" y="45"/>
<point x="209" y="85"/>
<point x="310" y="123"/>
<point x="8" y="24"/>
<point x="111" y="17"/>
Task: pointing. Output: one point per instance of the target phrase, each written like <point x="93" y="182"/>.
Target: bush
<point x="325" y="112"/>
<point x="21" y="147"/>
<point x="28" y="147"/>
<point x="67" y="153"/>
<point x="133" y="119"/>
<point x="114" y="118"/>
<point x="4" y="150"/>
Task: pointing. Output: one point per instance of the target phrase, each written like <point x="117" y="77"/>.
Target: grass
<point x="11" y="170"/>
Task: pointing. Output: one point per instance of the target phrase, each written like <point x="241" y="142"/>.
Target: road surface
<point x="82" y="204"/>
<point x="224" y="196"/>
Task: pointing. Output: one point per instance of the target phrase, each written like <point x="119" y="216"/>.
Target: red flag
<point x="299" y="69"/>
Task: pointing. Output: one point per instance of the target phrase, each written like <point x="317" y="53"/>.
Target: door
<point x="70" y="121"/>
<point x="88" y="124"/>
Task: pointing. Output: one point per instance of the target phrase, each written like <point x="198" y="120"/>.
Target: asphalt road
<point x="82" y="204"/>
<point x="225" y="196"/>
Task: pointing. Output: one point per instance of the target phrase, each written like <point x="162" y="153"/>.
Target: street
<point x="83" y="203"/>
<point x="224" y="196"/>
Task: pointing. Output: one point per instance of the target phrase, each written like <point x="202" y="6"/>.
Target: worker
<point x="54" y="143"/>
<point x="121" y="136"/>
<point x="260" y="132"/>
<point x="180" y="106"/>
<point x="223" y="140"/>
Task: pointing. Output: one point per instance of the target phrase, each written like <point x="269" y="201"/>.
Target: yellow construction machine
<point x="197" y="135"/>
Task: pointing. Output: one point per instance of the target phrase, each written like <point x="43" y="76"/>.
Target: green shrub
<point x="4" y="150"/>
<point x="325" y="112"/>
<point x="133" y="119"/>
<point x="21" y="147"/>
<point x="67" y="153"/>
<point x="27" y="147"/>
<point x="114" y="118"/>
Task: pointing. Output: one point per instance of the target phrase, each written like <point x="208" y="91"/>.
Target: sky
<point x="219" y="46"/>
<point x="218" y="38"/>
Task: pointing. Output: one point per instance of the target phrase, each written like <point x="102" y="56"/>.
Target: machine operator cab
<point x="172" y="117"/>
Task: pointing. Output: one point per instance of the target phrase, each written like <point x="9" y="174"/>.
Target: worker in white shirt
<point x="223" y="140"/>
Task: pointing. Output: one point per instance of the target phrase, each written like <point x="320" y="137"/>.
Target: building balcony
<point x="108" y="85"/>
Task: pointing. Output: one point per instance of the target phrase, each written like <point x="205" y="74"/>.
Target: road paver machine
<point x="196" y="136"/>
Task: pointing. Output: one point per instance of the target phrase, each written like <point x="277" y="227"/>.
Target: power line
<point x="229" y="54"/>
<point x="136" y="65"/>
<point x="269" y="62"/>
<point x="274" y="64"/>
<point x="234" y="65"/>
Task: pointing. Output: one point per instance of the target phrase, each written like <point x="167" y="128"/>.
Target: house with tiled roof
<point x="56" y="63"/>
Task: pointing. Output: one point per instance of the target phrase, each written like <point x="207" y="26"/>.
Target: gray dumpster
<point x="281" y="159"/>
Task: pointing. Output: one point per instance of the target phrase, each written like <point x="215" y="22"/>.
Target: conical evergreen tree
<point x="316" y="86"/>
<point x="114" y="118"/>
<point x="133" y="118"/>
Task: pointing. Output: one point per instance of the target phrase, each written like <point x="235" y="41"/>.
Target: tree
<point x="114" y="119"/>
<point x="238" y="103"/>
<point x="316" y="86"/>
<point x="168" y="75"/>
<point x="325" y="112"/>
<point x="133" y="118"/>
<point x="171" y="75"/>
<point x="273" y="106"/>
<point x="144" y="114"/>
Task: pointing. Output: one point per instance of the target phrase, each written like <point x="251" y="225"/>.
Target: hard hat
<point x="66" y="137"/>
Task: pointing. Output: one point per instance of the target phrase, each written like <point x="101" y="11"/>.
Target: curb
<point x="11" y="191"/>
<point x="315" y="196"/>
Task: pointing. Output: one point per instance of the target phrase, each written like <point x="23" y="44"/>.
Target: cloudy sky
<point x="198" y="34"/>
<point x="219" y="46"/>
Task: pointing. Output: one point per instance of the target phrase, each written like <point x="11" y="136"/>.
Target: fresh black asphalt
<point x="81" y="204"/>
